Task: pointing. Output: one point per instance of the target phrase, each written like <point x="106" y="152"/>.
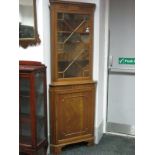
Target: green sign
<point x="128" y="61"/>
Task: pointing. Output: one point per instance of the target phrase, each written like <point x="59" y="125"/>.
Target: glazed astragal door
<point x="73" y="45"/>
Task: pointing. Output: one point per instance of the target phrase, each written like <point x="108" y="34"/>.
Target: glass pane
<point x="25" y="121"/>
<point x="73" y="45"/>
<point x="25" y="131"/>
<point x="40" y="102"/>
<point x="39" y="83"/>
<point x="24" y="99"/>
<point x="40" y="129"/>
<point x="40" y="105"/>
<point x="25" y="105"/>
<point x="24" y="87"/>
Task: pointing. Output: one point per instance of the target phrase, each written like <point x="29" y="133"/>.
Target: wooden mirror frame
<point x="25" y="42"/>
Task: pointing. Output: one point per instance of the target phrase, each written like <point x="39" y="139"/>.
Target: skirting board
<point x="120" y="134"/>
<point x="120" y="128"/>
<point x="98" y="133"/>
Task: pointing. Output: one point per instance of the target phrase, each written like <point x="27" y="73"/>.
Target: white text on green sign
<point x="128" y="61"/>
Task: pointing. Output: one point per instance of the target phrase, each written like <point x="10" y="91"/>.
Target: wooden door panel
<point x="74" y="113"/>
<point x="73" y="108"/>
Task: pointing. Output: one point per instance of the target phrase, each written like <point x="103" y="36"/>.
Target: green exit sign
<point x="128" y="61"/>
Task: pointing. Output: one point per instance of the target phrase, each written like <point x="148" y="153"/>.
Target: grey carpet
<point x="109" y="145"/>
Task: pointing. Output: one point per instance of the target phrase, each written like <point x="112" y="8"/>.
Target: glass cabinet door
<point x="40" y="106"/>
<point x="73" y="45"/>
<point x="25" y="114"/>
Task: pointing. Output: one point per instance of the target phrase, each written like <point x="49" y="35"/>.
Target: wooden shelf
<point x="64" y="32"/>
<point x="69" y="32"/>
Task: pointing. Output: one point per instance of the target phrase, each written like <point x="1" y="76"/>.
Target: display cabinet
<point x="72" y="89"/>
<point x="32" y="108"/>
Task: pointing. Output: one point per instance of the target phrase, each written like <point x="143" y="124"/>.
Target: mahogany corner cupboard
<point x="32" y="108"/>
<point x="72" y="89"/>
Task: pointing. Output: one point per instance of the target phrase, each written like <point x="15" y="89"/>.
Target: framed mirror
<point x="28" y="33"/>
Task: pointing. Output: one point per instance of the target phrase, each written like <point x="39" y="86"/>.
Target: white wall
<point x="103" y="58"/>
<point x="99" y="66"/>
<point x="46" y="50"/>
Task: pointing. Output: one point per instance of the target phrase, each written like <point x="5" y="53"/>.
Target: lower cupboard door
<point x="75" y="114"/>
